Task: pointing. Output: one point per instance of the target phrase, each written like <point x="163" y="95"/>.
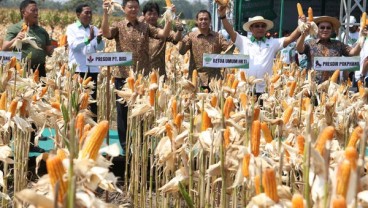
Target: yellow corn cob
<point x="226" y="137"/>
<point x="194" y="77"/>
<point x="363" y="20"/>
<point x="12" y="62"/>
<point x="86" y="130"/>
<point x="339" y="202"/>
<point x="256" y="112"/>
<point x="351" y="154"/>
<point x="292" y="88"/>
<point x="179" y="120"/>
<point x="213" y="101"/>
<point x="56" y="172"/>
<point x="228" y="107"/>
<point x="13" y="108"/>
<point x="169" y="131"/>
<point x="235" y="84"/>
<point x="174" y="108"/>
<point x="23" y="111"/>
<point x="343" y="175"/>
<point x="79" y="124"/>
<point x="242" y="76"/>
<point x="168" y="3"/>
<point x="24" y="27"/>
<point x="361" y="88"/>
<point x="63" y="40"/>
<point x="269" y="184"/>
<point x="206" y="121"/>
<point x="94" y="142"/>
<point x="84" y="101"/>
<point x="130" y="81"/>
<point x="245" y="165"/>
<point x="284" y="105"/>
<point x="355" y="136"/>
<point x="62" y="69"/>
<point x="230" y="79"/>
<point x="36" y="76"/>
<point x="287" y="114"/>
<point x="306" y="103"/>
<point x="3" y="101"/>
<point x="335" y="76"/>
<point x="18" y="67"/>
<point x="86" y="81"/>
<point x="255" y="137"/>
<point x="243" y="100"/>
<point x="297" y="201"/>
<point x="327" y="134"/>
<point x="266" y="132"/>
<point x="275" y="77"/>
<point x="61" y="154"/>
<point x="310" y="14"/>
<point x="257" y="184"/>
<point x="43" y="91"/>
<point x="153" y="78"/>
<point x="152" y="95"/>
<point x="55" y="105"/>
<point x="300" y="141"/>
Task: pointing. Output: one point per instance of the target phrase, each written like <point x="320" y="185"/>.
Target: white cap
<point x="352" y="20"/>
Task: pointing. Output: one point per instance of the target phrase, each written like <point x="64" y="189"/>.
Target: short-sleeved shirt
<point x="327" y="48"/>
<point x="198" y="44"/>
<point x="363" y="55"/>
<point x="261" y="55"/>
<point x="42" y="40"/>
<point x="133" y="37"/>
<point x="157" y="49"/>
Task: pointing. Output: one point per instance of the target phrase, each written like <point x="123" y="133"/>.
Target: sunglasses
<point x="325" y="27"/>
<point x="259" y="26"/>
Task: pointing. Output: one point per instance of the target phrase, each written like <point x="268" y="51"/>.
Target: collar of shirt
<point x="79" y="24"/>
<point x="128" y="23"/>
<point x="319" y="40"/>
<point x="253" y="39"/>
<point x="199" y="33"/>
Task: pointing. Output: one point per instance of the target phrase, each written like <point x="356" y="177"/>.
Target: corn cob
<point x="242" y="76"/>
<point x="86" y="130"/>
<point x="130" y="81"/>
<point x="13" y="108"/>
<point x="275" y="77"/>
<point x="255" y="137"/>
<point x="310" y="14"/>
<point x="213" y="101"/>
<point x="12" y="62"/>
<point x="3" y="101"/>
<point x="343" y="175"/>
<point x="206" y="121"/>
<point x="23" y="111"/>
<point x="36" y="76"/>
<point x="94" y="142"/>
<point x="266" y="132"/>
<point x="327" y="134"/>
<point x="84" y="101"/>
<point x="256" y="112"/>
<point x="55" y="105"/>
<point x="335" y="76"/>
<point x="287" y="114"/>
<point x="228" y="107"/>
<point x="24" y="27"/>
<point x="18" y="67"/>
<point x="62" y="69"/>
<point x="152" y="95"/>
<point x="297" y="201"/>
<point x="56" y="172"/>
<point x="174" y="108"/>
<point x="300" y="141"/>
<point x="43" y="91"/>
<point x="179" y="120"/>
<point x="361" y="88"/>
<point x="169" y="131"/>
<point x="269" y="184"/>
<point x="339" y="202"/>
<point x="226" y="137"/>
<point x="245" y="165"/>
<point x="194" y="77"/>
<point x="243" y="100"/>
<point x="234" y="86"/>
<point x="79" y="124"/>
<point x="63" y="40"/>
<point x="363" y="21"/>
<point x="86" y="81"/>
<point x="292" y="88"/>
<point x="257" y="184"/>
<point x="351" y="154"/>
<point x="355" y="136"/>
<point x="61" y="154"/>
<point x="168" y="3"/>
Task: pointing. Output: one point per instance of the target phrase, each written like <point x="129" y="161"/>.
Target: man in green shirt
<point x="29" y="15"/>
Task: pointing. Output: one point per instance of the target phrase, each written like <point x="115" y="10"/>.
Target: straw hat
<point x="269" y="23"/>
<point x="334" y="22"/>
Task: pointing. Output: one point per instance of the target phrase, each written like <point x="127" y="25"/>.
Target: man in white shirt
<point x="82" y="40"/>
<point x="261" y="50"/>
<point x="353" y="35"/>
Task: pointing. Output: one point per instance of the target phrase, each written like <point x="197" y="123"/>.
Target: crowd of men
<point x="146" y="39"/>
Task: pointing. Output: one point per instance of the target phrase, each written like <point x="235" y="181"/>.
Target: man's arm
<point x="228" y="27"/>
<point x="356" y="50"/>
<point x="105" y="21"/>
<point x="293" y="36"/>
<point x="164" y="33"/>
<point x="300" y="42"/>
<point x="11" y="37"/>
<point x="74" y="42"/>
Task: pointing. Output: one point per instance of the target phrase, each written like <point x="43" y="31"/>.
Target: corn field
<point x="303" y="146"/>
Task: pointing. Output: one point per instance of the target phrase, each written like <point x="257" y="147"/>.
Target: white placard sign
<point x="225" y="61"/>
<point x="333" y="63"/>
<point x="109" y="59"/>
<point x="5" y="56"/>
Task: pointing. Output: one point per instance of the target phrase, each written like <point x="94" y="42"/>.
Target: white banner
<point x="109" y="59"/>
<point x="225" y="61"/>
<point x="5" y="56"/>
<point x="334" y="63"/>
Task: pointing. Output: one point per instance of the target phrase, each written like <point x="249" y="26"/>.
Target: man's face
<point x="353" y="29"/>
<point x="203" y="21"/>
<point x="30" y="14"/>
<point x="85" y="17"/>
<point x="131" y="9"/>
<point x="325" y="30"/>
<point x="151" y="17"/>
<point x="258" y="29"/>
